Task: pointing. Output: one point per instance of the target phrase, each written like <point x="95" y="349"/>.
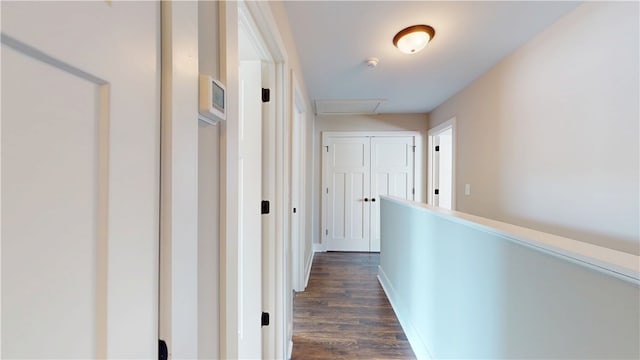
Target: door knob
<point x="373" y="199"/>
<point x="366" y="199"/>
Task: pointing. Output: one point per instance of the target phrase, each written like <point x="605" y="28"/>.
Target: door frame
<point x="274" y="270"/>
<point x="247" y="25"/>
<point x="417" y="170"/>
<point x="298" y="198"/>
<point x="432" y="163"/>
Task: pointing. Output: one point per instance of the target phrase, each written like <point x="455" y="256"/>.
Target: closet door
<point x="392" y="173"/>
<point x="80" y="169"/>
<point x="347" y="181"/>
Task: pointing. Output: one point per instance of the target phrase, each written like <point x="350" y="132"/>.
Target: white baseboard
<point x="307" y="269"/>
<point x="290" y="350"/>
<point x="418" y="346"/>
<point x="319" y="248"/>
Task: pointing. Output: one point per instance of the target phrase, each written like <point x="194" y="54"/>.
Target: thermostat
<point x="213" y="99"/>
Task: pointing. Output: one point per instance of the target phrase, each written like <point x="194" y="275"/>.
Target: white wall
<point x="467" y="288"/>
<point x="208" y="241"/>
<point x="179" y="180"/>
<point x="229" y="183"/>
<point x="548" y="138"/>
<point x="384" y="122"/>
<point x="208" y="194"/>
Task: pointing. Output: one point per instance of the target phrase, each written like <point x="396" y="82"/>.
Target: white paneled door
<point x="347" y="164"/>
<point x="80" y="179"/>
<point x="392" y="173"/>
<point x="356" y="171"/>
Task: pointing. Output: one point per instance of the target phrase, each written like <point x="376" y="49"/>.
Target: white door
<point x="296" y="176"/>
<point x="298" y="190"/>
<point x="434" y="189"/>
<point x="392" y="173"/>
<point x="347" y="161"/>
<point x="80" y="179"/>
<point x="442" y="165"/>
<point x="445" y="169"/>
<point x="250" y="223"/>
<point x="357" y="170"/>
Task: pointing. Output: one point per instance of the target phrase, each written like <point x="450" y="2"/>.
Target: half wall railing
<point x="467" y="287"/>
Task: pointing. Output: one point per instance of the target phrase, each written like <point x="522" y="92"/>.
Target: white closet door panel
<point x="358" y="224"/>
<point x="50" y="238"/>
<point x="392" y="174"/>
<point x="400" y="185"/>
<point x="349" y="155"/>
<point x="391" y="153"/>
<point x="348" y="163"/>
<point x="339" y="193"/>
<point x="79" y="164"/>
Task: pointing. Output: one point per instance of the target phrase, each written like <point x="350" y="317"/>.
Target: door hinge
<point x="163" y="351"/>
<point x="294" y="210"/>
<point x="326" y="232"/>
<point x="414" y="148"/>
<point x="437" y="192"/>
<point x="437" y="147"/>
<point x="327" y="190"/>
<point x="264" y="320"/>
<point x="266" y="95"/>
<point x="264" y="207"/>
<point x="413" y="191"/>
<point x="327" y="147"/>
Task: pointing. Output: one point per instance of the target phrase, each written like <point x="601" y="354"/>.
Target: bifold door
<point x="356" y="171"/>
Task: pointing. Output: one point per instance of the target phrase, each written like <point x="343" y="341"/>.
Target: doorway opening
<point x="260" y="281"/>
<point x="256" y="71"/>
<point x="441" y="157"/>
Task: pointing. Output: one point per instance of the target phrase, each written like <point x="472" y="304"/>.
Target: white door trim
<point x="327" y="134"/>
<point x="274" y="339"/>
<point x="433" y="132"/>
<point x="179" y="182"/>
<point x="298" y="155"/>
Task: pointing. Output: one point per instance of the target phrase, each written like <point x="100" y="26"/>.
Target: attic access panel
<point x="348" y="107"/>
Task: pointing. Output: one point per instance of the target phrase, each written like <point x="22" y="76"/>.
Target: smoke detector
<point x="372" y="62"/>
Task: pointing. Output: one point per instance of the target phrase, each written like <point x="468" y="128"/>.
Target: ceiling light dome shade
<point x="414" y="38"/>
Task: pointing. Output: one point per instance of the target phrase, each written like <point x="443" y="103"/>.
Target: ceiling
<point x="335" y="38"/>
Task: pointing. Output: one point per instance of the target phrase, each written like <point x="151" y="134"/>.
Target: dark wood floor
<point x="344" y="313"/>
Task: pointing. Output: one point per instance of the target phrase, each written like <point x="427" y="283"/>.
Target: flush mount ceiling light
<point x="414" y="38"/>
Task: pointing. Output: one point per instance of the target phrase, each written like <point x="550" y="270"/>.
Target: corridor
<point x="345" y="314"/>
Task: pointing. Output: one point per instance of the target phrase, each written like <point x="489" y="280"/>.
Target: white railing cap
<point x="613" y="262"/>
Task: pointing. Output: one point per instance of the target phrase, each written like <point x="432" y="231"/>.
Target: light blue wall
<point x="461" y="292"/>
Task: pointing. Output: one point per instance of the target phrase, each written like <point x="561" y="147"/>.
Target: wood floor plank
<point x="344" y="313"/>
